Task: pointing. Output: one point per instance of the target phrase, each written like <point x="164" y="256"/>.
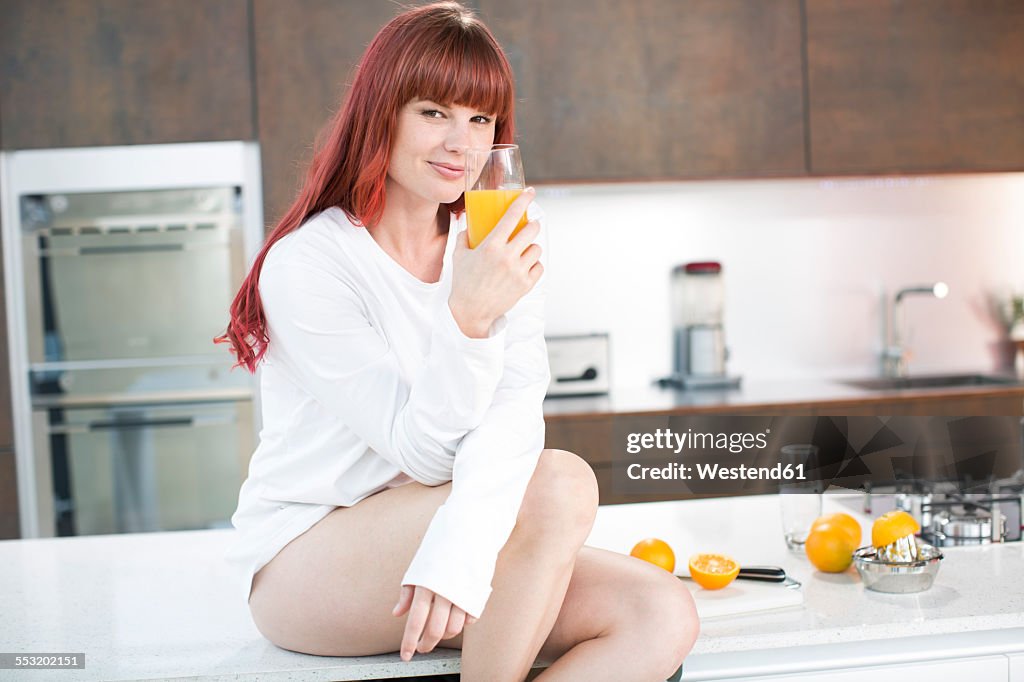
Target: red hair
<point x="439" y="52"/>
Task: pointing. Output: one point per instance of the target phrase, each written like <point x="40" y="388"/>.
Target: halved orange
<point x="713" y="571"/>
<point x="891" y="526"/>
<point x="656" y="552"/>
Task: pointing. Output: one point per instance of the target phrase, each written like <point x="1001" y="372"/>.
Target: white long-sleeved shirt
<point x="368" y="383"/>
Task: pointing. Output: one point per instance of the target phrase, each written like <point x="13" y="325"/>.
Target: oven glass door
<point x="148" y="468"/>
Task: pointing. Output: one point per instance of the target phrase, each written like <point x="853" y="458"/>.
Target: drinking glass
<point x="800" y="501"/>
<point x="799" y="510"/>
<point x="494" y="178"/>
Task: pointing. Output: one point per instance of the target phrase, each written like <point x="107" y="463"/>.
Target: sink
<point x="933" y="381"/>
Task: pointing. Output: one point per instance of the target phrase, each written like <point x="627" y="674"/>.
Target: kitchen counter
<point x="975" y="607"/>
<point x="162" y="605"/>
<point x="757" y="395"/>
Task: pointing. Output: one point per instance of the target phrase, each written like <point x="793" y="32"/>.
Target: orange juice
<point x="484" y="208"/>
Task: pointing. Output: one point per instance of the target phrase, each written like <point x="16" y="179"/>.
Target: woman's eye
<point x="432" y="113"/>
<point x="482" y="119"/>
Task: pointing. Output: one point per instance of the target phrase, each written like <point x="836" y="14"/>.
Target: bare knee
<point x="561" y="498"/>
<point x="664" y="617"/>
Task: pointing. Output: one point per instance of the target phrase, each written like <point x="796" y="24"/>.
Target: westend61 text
<point x="676" y="471"/>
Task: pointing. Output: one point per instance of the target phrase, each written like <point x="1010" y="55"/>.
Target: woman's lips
<point x="447" y="171"/>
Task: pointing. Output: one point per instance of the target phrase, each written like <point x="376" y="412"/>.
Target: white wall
<point x="806" y="263"/>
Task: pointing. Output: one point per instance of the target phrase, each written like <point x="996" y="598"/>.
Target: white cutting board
<point x="743" y="596"/>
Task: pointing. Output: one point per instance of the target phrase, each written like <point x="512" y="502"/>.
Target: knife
<point x="768" y="574"/>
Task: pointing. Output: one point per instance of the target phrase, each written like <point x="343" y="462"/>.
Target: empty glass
<point x="799" y="500"/>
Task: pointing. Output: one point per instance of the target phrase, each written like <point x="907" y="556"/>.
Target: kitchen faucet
<point x="894" y="355"/>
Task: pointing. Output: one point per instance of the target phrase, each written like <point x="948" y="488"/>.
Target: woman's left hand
<point x="431" y="619"/>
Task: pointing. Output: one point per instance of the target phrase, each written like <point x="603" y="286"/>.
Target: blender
<point x="699" y="350"/>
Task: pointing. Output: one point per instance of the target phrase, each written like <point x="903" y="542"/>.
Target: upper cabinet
<point x="305" y="53"/>
<point x="915" y="85"/>
<point x="607" y="90"/>
<point x="655" y="89"/>
<point x="111" y="72"/>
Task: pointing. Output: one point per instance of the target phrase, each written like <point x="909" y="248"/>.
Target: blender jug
<point x="697" y="304"/>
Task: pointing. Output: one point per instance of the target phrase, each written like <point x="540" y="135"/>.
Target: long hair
<point x="439" y="52"/>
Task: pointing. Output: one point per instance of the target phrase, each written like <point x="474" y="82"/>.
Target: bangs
<point x="464" y="67"/>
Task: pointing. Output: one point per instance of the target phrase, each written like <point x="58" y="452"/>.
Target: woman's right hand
<point x="432" y="618"/>
<point x="488" y="280"/>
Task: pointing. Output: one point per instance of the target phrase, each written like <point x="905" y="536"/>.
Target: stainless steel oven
<point x="120" y="266"/>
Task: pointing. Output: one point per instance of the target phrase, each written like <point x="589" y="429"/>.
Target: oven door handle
<point x="117" y="425"/>
<point x="142" y="423"/>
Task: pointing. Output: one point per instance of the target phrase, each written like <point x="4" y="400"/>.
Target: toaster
<point x="579" y="364"/>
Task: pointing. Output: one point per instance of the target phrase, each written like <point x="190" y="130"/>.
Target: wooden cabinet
<point x="305" y="53"/>
<point x="607" y="90"/>
<point x="113" y="72"/>
<point x="6" y="419"/>
<point x="600" y="439"/>
<point x="9" y="517"/>
<point x="930" y="406"/>
<point x="915" y="85"/>
<point x="655" y="89"/>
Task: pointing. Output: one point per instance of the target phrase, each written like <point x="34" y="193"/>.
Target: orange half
<point x="713" y="571"/>
<point x="891" y="526"/>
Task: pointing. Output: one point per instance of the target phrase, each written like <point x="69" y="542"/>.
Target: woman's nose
<point x="457" y="140"/>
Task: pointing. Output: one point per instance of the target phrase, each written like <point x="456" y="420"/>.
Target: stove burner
<point x="966" y="524"/>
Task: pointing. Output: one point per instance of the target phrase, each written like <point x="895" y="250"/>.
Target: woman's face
<point x="428" y="154"/>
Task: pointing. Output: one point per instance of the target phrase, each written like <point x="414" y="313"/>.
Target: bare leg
<point x="622" y="619"/>
<point x="330" y="591"/>
<point x="533" y="571"/>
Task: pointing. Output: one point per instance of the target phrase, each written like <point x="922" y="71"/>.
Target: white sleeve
<point x="319" y="327"/>
<point x="493" y="465"/>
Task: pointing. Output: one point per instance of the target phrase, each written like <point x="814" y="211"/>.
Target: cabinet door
<point x="9" y="518"/>
<point x="915" y="85"/>
<point x="306" y="51"/>
<point x="655" y="89"/>
<point x="6" y="416"/>
<point x="113" y="72"/>
<point x="1016" y="667"/>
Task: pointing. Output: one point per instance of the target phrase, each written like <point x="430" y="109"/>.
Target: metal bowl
<point x="899" y="577"/>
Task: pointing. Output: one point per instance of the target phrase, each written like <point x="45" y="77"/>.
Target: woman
<point x="402" y="452"/>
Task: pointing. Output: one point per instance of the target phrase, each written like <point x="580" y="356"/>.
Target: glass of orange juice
<point x="494" y="179"/>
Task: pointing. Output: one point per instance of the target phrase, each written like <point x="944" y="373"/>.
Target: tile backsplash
<point x="807" y="264"/>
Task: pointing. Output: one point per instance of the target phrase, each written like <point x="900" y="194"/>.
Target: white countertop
<point x="977" y="590"/>
<point x="161" y="605"/>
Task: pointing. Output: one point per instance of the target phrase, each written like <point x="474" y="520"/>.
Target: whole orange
<point x="830" y="548"/>
<point x="844" y="521"/>
<point x="656" y="552"/>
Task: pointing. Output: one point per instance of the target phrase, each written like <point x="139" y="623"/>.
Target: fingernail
<point x="531" y="190"/>
<point x="406" y="655"/>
